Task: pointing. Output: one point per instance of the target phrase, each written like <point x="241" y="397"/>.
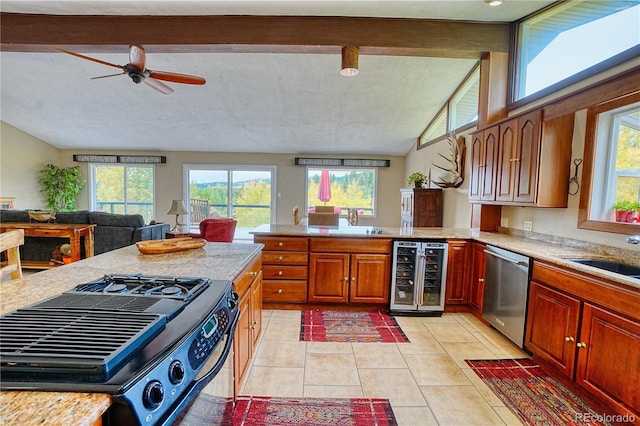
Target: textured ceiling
<point x="252" y="102"/>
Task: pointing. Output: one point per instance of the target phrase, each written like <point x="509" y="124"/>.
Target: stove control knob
<point x="176" y="372"/>
<point x="153" y="394"/>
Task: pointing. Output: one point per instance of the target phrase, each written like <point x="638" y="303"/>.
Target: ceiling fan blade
<point x="87" y="58"/>
<point x="158" y="85"/>
<point x="176" y="78"/>
<point x="105" y="76"/>
<point x="137" y="57"/>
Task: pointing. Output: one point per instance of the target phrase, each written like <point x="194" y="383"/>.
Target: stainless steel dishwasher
<point x="506" y="287"/>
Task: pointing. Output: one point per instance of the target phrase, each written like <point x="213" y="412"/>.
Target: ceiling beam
<point x="277" y="34"/>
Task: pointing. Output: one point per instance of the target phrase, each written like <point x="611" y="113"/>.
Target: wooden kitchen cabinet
<point x="421" y="207"/>
<point x="588" y="329"/>
<point x="285" y="268"/>
<point x="553" y="327"/>
<point x="352" y="270"/>
<point x="483" y="153"/>
<point x="476" y="286"/>
<point x="522" y="161"/>
<point x="459" y="255"/>
<point x="517" y="163"/>
<point x="248" y="285"/>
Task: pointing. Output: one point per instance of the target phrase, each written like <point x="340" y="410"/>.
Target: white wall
<point x="456" y="207"/>
<point x="23" y="156"/>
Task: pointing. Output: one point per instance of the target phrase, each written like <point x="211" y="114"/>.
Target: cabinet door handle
<point x="480" y="280"/>
<point x="279" y="291"/>
<point x="252" y="273"/>
<point x="569" y="339"/>
<point x="280" y="244"/>
<point x="353" y="278"/>
<point x="581" y="345"/>
<point x="346" y="278"/>
<point x="280" y="258"/>
<point x="279" y="272"/>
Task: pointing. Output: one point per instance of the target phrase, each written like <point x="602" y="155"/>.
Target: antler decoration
<point x="455" y="169"/>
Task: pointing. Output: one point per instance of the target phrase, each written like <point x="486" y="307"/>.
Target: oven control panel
<point x="210" y="334"/>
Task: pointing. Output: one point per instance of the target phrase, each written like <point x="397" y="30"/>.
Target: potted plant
<point x="65" y="249"/>
<point x="61" y="186"/>
<point x="624" y="210"/>
<point x="416" y="179"/>
<point x="635" y="206"/>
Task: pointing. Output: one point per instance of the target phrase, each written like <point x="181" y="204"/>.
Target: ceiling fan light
<point x="349" y="61"/>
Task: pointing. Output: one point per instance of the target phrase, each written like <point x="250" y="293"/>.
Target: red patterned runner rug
<point x="267" y="411"/>
<point x="533" y="395"/>
<point x="350" y="326"/>
<point x="257" y="410"/>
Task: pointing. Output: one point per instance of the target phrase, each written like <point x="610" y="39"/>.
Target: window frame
<point x="587" y="73"/>
<point x="231" y="168"/>
<point x="92" y="182"/>
<point x="446" y="109"/>
<point x="376" y="175"/>
<point x="589" y="168"/>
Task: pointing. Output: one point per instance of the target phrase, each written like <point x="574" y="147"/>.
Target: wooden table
<point x="73" y="231"/>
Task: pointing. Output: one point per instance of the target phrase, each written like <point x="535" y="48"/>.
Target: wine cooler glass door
<point x="404" y="274"/>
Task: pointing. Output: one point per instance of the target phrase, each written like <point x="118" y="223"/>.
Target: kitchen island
<point x="216" y="260"/>
<point x="557" y="253"/>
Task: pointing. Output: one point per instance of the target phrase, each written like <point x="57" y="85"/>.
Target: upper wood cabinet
<point x="421" y="207"/>
<point x="484" y="150"/>
<point x="522" y="161"/>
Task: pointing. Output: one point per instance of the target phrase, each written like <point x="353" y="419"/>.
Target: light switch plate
<point x="528" y="225"/>
<point x="504" y="222"/>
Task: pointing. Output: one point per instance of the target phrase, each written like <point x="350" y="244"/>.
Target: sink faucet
<point x="633" y="239"/>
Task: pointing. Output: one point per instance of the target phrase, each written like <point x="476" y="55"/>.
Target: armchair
<point x="217" y="230"/>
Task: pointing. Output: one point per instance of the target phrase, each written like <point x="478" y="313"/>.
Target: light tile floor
<point x="426" y="381"/>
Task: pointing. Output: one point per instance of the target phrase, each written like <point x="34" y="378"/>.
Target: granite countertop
<point x="215" y="260"/>
<point x="557" y="253"/>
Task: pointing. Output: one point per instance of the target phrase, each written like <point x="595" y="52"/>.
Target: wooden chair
<point x="198" y="210"/>
<point x="10" y="243"/>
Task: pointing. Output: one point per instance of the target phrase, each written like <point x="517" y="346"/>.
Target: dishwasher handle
<point x="515" y="262"/>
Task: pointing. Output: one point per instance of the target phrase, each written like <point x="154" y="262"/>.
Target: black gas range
<point x="149" y="341"/>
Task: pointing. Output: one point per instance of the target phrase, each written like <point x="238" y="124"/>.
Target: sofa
<point x="112" y="231"/>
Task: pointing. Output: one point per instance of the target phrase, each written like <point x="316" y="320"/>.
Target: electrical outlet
<point x="528" y="225"/>
<point x="504" y="222"/>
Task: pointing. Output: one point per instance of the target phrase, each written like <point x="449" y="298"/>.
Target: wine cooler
<point x="418" y="278"/>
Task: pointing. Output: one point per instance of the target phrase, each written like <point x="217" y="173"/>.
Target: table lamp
<point x="177" y="208"/>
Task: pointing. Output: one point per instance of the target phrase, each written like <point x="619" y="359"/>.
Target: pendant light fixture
<point x="349" y="61"/>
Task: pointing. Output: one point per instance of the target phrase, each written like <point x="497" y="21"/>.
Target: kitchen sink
<point x="617" y="267"/>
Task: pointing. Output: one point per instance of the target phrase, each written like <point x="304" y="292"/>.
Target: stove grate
<point x="89" y="341"/>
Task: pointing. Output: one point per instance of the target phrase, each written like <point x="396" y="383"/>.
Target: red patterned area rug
<point x="267" y="411"/>
<point x="350" y="326"/>
<point x="533" y="395"/>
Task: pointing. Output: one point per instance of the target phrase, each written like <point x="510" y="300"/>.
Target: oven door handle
<point x="197" y="386"/>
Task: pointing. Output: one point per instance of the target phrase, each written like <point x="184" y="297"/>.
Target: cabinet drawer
<point x="285" y="272"/>
<point x="46" y="233"/>
<point x="284" y="291"/>
<point x="283" y="243"/>
<point x="284" y="258"/>
<point x="242" y="282"/>
<point x="351" y="245"/>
